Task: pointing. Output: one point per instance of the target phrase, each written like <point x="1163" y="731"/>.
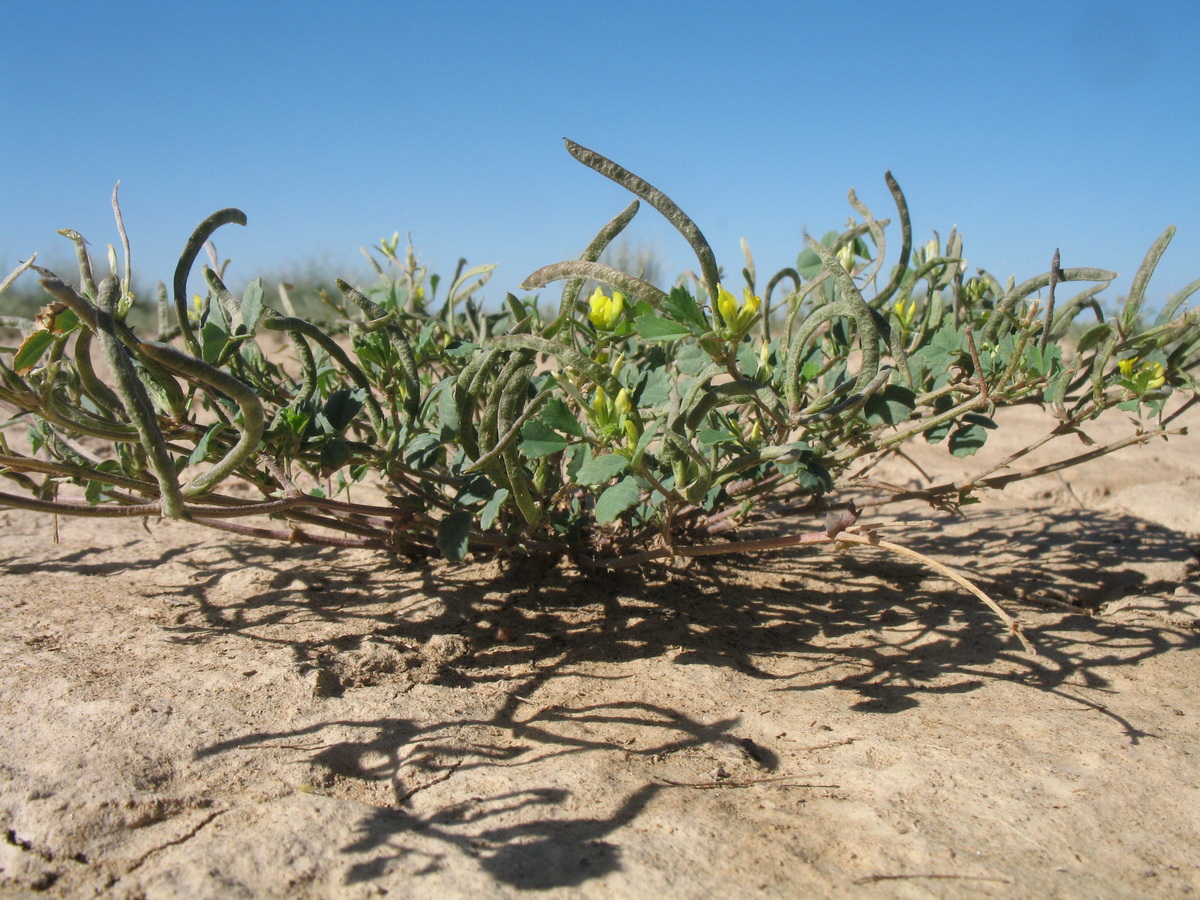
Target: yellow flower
<point x="846" y="257"/>
<point x="737" y="317"/>
<point x="605" y="311"/>
<point x="905" y="311"/>
<point x="623" y="404"/>
<point x="1147" y="376"/>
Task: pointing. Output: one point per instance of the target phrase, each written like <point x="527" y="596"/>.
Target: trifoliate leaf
<point x="616" y="499"/>
<point x="453" y="535"/>
<point x="601" y="468"/>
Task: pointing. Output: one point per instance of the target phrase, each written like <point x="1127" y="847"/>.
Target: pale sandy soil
<point x="186" y="716"/>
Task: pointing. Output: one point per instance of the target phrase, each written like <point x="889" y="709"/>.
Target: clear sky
<point x="1029" y="125"/>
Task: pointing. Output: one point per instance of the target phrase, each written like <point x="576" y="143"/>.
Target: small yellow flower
<point x="846" y="257"/>
<point x="1146" y="376"/>
<point x="601" y="405"/>
<point x="737" y="316"/>
<point x="605" y="311"/>
<point x="623" y="404"/>
<point x="905" y="312"/>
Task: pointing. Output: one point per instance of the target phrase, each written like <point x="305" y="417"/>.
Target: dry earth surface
<point x="189" y="716"/>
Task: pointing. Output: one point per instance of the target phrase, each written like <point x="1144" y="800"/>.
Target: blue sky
<point x="1029" y="125"/>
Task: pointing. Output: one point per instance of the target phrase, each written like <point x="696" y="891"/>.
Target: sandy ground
<point x="186" y="716"/>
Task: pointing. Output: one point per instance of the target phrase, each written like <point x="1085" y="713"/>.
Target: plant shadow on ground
<point x="882" y="629"/>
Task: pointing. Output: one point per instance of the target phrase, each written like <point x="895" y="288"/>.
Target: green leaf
<point x="334" y="454"/>
<point x="601" y="468"/>
<point x="447" y="408"/>
<point x="968" y="438"/>
<point x="252" y="304"/>
<point x="683" y="308"/>
<point x="32" y="350"/>
<point x="808" y="264"/>
<point x="454" y="532"/>
<point x="200" y="453"/>
<point x="656" y="328"/>
<point x="341" y="408"/>
<point x="644" y="441"/>
<point x="491" y="510"/>
<point x="616" y="499"/>
<point x="655" y="389"/>
<point x="423" y="451"/>
<point x="712" y="436"/>
<point x="460" y="349"/>
<point x="538" y="440"/>
<point x="1093" y="336"/>
<point x="213" y="339"/>
<point x="893" y="405"/>
<point x="558" y="416"/>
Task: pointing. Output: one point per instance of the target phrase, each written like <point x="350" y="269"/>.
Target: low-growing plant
<point x="615" y="426"/>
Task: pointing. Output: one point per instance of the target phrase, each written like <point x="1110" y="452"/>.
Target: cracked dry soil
<point x="188" y="716"/>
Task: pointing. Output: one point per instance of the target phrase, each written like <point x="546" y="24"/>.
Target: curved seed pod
<point x="1068" y="311"/>
<point x="565" y="355"/>
<point x="580" y="268"/>
<point x="661" y="202"/>
<point x="570" y="294"/>
<point x="1137" y="290"/>
<point x="905" y="246"/>
<point x="797" y="301"/>
<point x="231" y="306"/>
<point x="86" y="279"/>
<point x="251" y="429"/>
<point x="509" y="404"/>
<point x="820" y="409"/>
<point x="876" y="230"/>
<point x="308" y="369"/>
<point x="730" y="392"/>
<point x="1104" y="354"/>
<point x="795" y="354"/>
<point x="853" y="304"/>
<point x="385" y="319"/>
<point x="505" y="398"/>
<point x="190" y="251"/>
<point x="86" y="313"/>
<point x="1177" y="300"/>
<point x="766" y="300"/>
<point x="16" y="273"/>
<point x="1004" y="309"/>
<point x="895" y="345"/>
<point x="468" y="385"/>
<point x="697" y="388"/>
<point x="330" y="346"/>
<point x="137" y="403"/>
<point x="508" y="437"/>
<point x="100" y="393"/>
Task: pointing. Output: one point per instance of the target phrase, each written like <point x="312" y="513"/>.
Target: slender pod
<point x="566" y="356"/>
<point x="330" y="346"/>
<point x="661" y="202"/>
<point x="86" y="279"/>
<point x="190" y="251"/>
<point x="1137" y="290"/>
<point x="408" y="362"/>
<point x="581" y="268"/>
<point x="905" y="243"/>
<point x="593" y="252"/>
<point x="253" y="418"/>
<point x="137" y="403"/>
<point x="1004" y="309"/>
<point x="766" y="298"/>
